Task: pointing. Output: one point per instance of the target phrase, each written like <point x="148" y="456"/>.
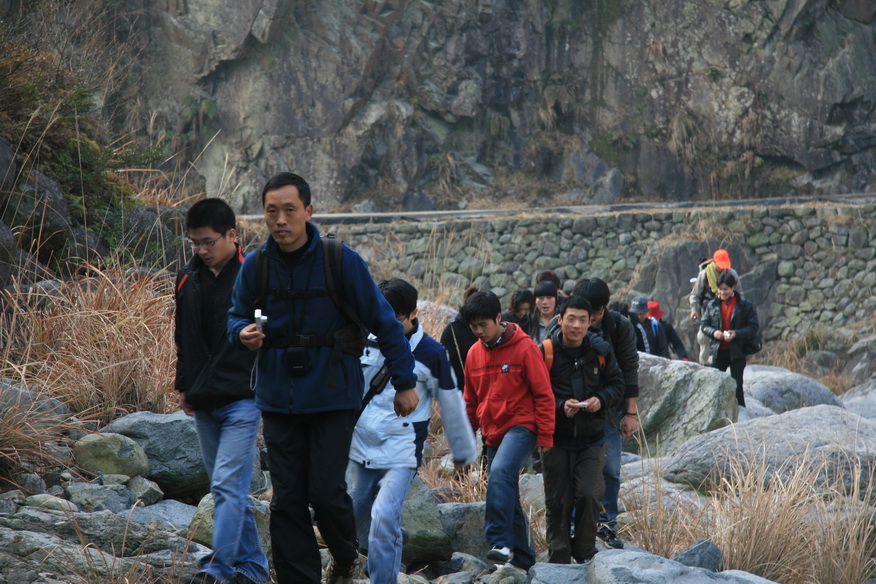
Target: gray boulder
<point x="39" y="207"/>
<point x="861" y="367"/>
<point x="50" y="502"/>
<point x="90" y="497"/>
<point x="626" y="567"/>
<point x="110" y="453"/>
<point x="42" y="546"/>
<point x="465" y="524"/>
<point x="702" y="554"/>
<point x="532" y="491"/>
<point x="817" y="435"/>
<point x="144" y="490"/>
<point x="201" y="526"/>
<point x="862" y="400"/>
<point x="781" y="390"/>
<point x="680" y="400"/>
<point x="171" y="444"/>
<point x="421" y="520"/>
<point x="168" y="514"/>
<point x="43" y="411"/>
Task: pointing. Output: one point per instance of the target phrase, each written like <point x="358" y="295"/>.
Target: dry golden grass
<point x="103" y="344"/>
<point x="783" y="524"/>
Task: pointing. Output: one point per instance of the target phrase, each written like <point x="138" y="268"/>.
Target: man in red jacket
<point x="508" y="396"/>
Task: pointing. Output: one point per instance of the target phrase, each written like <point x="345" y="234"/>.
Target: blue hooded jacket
<point x="276" y="390"/>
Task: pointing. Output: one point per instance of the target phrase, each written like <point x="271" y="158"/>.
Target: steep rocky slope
<point x="429" y="103"/>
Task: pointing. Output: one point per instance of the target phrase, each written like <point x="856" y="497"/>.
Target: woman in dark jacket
<point x="521" y="305"/>
<point x="729" y="320"/>
<point x="457" y="338"/>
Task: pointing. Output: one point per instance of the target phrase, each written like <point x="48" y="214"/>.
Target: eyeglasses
<point x="196" y="245"/>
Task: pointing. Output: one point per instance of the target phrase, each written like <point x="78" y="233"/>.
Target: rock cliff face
<point x="423" y="104"/>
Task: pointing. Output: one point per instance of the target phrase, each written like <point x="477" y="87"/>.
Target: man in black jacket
<point x="213" y="379"/>
<point x="650" y="335"/>
<point x="587" y="383"/>
<point x="618" y="331"/>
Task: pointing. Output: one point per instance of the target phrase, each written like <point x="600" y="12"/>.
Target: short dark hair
<point x="285" y="179"/>
<point x="595" y="290"/>
<point x="550" y="276"/>
<point x="481" y="305"/>
<point x="401" y="295"/>
<point x="521" y="296"/>
<point x="727" y="278"/>
<point x="213" y="213"/>
<point x="577" y="302"/>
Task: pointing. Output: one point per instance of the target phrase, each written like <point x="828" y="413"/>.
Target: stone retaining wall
<point x="800" y="265"/>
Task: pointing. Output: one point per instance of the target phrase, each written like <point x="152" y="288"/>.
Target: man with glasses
<point x="213" y="379"/>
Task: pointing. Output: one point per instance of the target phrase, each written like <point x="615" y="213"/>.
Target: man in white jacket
<point x="387" y="449"/>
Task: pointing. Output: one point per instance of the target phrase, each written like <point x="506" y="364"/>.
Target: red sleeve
<point x="470" y="394"/>
<point x="542" y="396"/>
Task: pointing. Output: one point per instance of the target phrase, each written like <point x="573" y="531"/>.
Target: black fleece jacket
<point x="580" y="376"/>
<point x="209" y="370"/>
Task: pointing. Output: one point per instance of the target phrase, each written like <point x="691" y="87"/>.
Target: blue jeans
<point x="505" y="523"/>
<point x="378" y="498"/>
<point x="227" y="436"/>
<point x="611" y="471"/>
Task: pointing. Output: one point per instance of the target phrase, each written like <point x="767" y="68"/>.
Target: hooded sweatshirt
<point x="508" y="385"/>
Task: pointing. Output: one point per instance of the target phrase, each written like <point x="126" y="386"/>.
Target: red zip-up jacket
<point x="509" y="385"/>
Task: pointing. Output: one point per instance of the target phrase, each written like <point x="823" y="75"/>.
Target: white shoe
<point x="743" y="415"/>
<point x="500" y="555"/>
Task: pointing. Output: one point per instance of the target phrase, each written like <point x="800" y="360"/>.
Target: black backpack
<point x="349" y="339"/>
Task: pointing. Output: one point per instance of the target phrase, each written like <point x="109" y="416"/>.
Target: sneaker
<point x="501" y="555"/>
<point x="609" y="536"/>
<point x="340" y="574"/>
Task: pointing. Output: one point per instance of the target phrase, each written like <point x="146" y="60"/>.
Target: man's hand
<point x="184" y="405"/>
<point x="628" y="425"/>
<point x="251" y="338"/>
<point x="571" y="407"/>
<point x="405" y="402"/>
<point x="542" y="450"/>
<point x="694" y="315"/>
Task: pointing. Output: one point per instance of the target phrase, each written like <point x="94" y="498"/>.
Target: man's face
<point x="596" y="316"/>
<point x="487" y="329"/>
<point x="407" y="320"/>
<point x="546" y="305"/>
<point x="640" y="315"/>
<point x="286" y="217"/>
<point x="214" y="249"/>
<point x="725" y="291"/>
<point x="574" y="324"/>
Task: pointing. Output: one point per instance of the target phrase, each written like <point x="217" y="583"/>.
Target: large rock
<point x="89" y="497"/>
<point x="820" y="435"/>
<point x="40" y="546"/>
<point x="427" y="538"/>
<point x="201" y="526"/>
<point x="679" y="400"/>
<point x="626" y="567"/>
<point x="171" y="444"/>
<point x="465" y="524"/>
<point x="110" y="453"/>
<point x="862" y="400"/>
<point x="40" y="209"/>
<point x="781" y="390"/>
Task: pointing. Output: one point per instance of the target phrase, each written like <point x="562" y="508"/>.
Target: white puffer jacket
<point x="384" y="440"/>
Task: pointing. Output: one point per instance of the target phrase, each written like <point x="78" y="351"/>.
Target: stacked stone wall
<point x="802" y="265"/>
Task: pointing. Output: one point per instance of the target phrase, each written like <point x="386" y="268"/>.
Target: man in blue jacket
<point x="308" y="380"/>
<point x="213" y="380"/>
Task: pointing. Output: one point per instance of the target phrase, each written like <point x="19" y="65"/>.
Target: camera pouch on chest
<point x="297" y="361"/>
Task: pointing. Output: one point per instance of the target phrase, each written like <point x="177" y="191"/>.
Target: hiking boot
<point x="340" y="574"/>
<point x="500" y="555"/>
<point x="609" y="536"/>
